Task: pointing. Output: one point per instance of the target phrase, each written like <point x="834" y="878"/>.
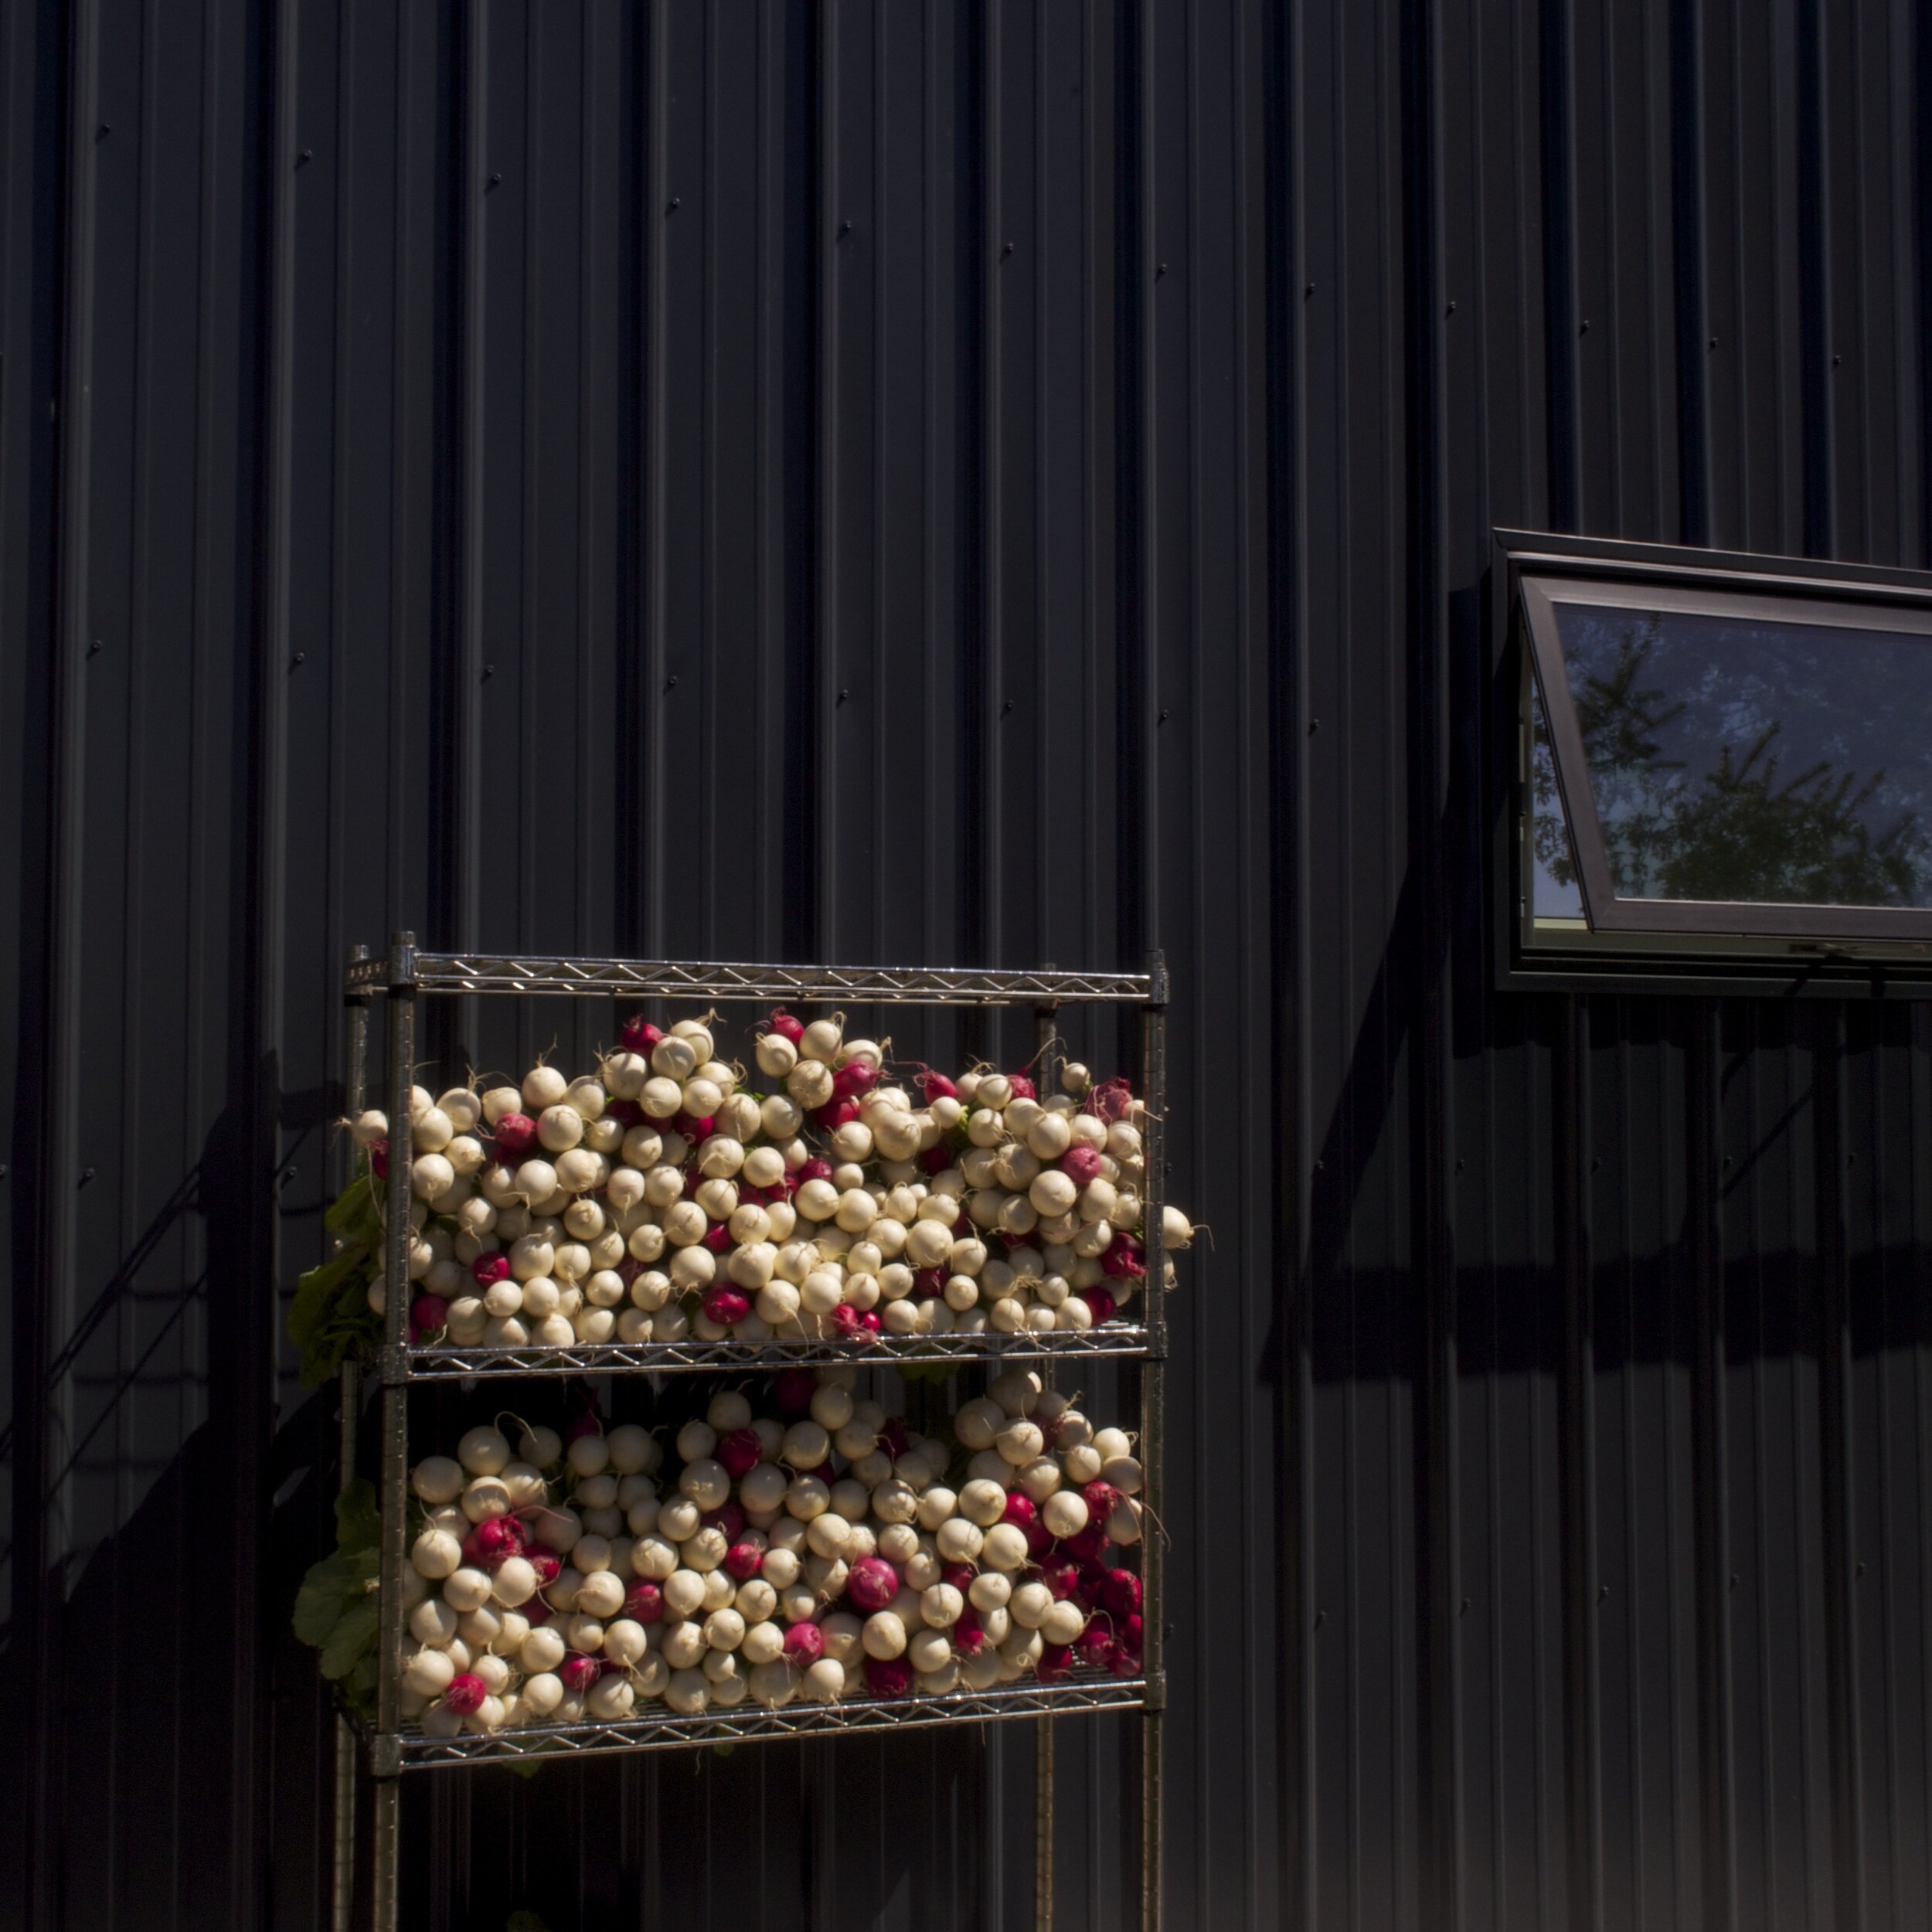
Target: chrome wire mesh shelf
<point x="749" y="1722"/>
<point x="440" y="1363"/>
<point x="643" y="979"/>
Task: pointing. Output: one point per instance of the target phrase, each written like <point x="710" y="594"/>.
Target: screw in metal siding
<point x="489" y="671"/>
<point x="3" y="1170"/>
<point x="1836" y="360"/>
<point x="1005" y="249"/>
<point x="105" y="129"/>
<point x="495" y="181"/>
<point x="1164" y="716"/>
<point x="300" y="656"/>
<point x="1713" y="342"/>
<point x="1160" y="270"/>
<point x="1307" y="288"/>
<point x="1603" y="1590"/>
<point x="845" y="691"/>
<point x="1008" y="704"/>
<point x="307" y="154"/>
<point x="673" y="205"/>
<point x="93" y="647"/>
<point x="671" y="683"/>
<point x="1315" y="725"/>
<point x="87" y="1175"/>
<point x="1734" y="1580"/>
<point x="1465" y="1606"/>
<point x="1452" y="308"/>
<point x="1585" y="329"/>
<point x="844" y="228"/>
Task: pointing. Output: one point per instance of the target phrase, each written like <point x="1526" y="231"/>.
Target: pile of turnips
<point x="820" y="1555"/>
<point x="663" y="1198"/>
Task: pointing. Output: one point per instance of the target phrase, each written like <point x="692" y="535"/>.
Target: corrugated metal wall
<point x="972" y="482"/>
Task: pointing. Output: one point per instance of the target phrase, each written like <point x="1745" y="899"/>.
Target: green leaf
<point x="354" y="1634"/>
<point x="325" y="1594"/>
<point x="357" y="1524"/>
<point x="315" y="1294"/>
<point x="348" y="1207"/>
<point x="359" y="1687"/>
<point x="525" y="1768"/>
<point x="526" y="1921"/>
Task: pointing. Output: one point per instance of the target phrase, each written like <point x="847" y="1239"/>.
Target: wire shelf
<point x="748" y="1723"/>
<point x="648" y="979"/>
<point x="439" y="1364"/>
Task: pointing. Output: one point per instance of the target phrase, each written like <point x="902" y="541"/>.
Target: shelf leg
<point x="1153" y="1389"/>
<point x="1045" y="1018"/>
<point x="342" y="1864"/>
<point x="392" y="1495"/>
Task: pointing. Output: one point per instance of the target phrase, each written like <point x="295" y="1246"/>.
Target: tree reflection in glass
<point x="1742" y="760"/>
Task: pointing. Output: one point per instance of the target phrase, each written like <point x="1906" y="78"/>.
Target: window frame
<point x="1751" y="944"/>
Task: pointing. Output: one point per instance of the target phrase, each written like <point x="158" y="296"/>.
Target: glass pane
<point x="1554" y="891"/>
<point x="1746" y="759"/>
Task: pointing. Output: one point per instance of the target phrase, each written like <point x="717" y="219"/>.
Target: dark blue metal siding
<point x="980" y="482"/>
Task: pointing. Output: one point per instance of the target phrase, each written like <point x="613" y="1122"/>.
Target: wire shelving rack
<point x="389" y="1751"/>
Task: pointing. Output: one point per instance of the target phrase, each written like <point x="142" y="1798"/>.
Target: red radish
<point x="846" y="1320"/>
<point x="888" y="1676"/>
<point x="929" y="1284"/>
<point x="833" y="1114"/>
<point x="515" y="1136"/>
<point x="744" y="1561"/>
<point x="644" y="1603"/>
<point x="816" y="1168"/>
<point x="1100" y="1303"/>
<point x="466" y="1694"/>
<point x="1124" y="1663"/>
<point x="379" y="1160"/>
<point x="494" y="1539"/>
<point x="1062" y="1578"/>
<point x="625" y="1113"/>
<point x="852" y="1080"/>
<point x="1039" y="1540"/>
<point x="586" y="1425"/>
<point x="1023" y="1088"/>
<point x="936" y="1160"/>
<point x="547" y="1564"/>
<point x="727" y="1307"/>
<point x="579" y="1673"/>
<point x="893" y="1439"/>
<point x="1095" y="1647"/>
<point x="936" y="1087"/>
<point x="1090" y="1544"/>
<point x="1055" y="1663"/>
<point x="740" y="1452"/>
<point x="718" y="1238"/>
<point x="1122" y="1257"/>
<point x="872" y="1584"/>
<point x="872" y="1321"/>
<point x="1101" y="1499"/>
<point x="792" y="1389"/>
<point x="1020" y="1511"/>
<point x="804" y="1645"/>
<point x="960" y="1575"/>
<point x="694" y="1128"/>
<point x="969" y="1634"/>
<point x="783" y="1023"/>
<point x="1121" y="1593"/>
<point x="639" y="1036"/>
<point x="429" y="1312"/>
<point x="729" y="1518"/>
<point x="1080" y="1165"/>
<point x="487" y="1270"/>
